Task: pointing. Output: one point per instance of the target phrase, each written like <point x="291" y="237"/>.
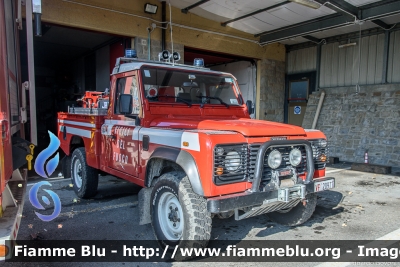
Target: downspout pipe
<point x="321" y="100"/>
<point x="37" y="13"/>
<point x="164" y="25"/>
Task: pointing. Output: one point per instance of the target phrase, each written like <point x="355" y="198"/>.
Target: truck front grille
<point x="266" y="177"/>
<point x="247" y="158"/>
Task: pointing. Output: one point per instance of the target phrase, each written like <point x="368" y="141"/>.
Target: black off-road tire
<point x="299" y="214"/>
<point x="66" y="166"/>
<point x="89" y="175"/>
<point x="197" y="220"/>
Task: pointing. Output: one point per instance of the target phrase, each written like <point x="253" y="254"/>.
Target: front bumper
<point x="251" y="199"/>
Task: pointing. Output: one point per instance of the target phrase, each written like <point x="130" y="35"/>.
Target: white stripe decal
<point x="192" y="139"/>
<point x="84" y="124"/>
<point x="135" y="133"/>
<point x="76" y="131"/>
<point x="118" y="122"/>
<point x="162" y="137"/>
<point x="109" y="124"/>
<point x="171" y="138"/>
<point x="157" y="136"/>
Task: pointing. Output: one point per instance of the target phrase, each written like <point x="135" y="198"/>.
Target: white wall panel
<point x="302" y="60"/>
<point x="394" y="58"/>
<point x="340" y="67"/>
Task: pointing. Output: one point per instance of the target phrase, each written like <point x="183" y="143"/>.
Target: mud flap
<point x="66" y="166"/>
<point x="20" y="149"/>
<point x="144" y="205"/>
<point x="19" y="157"/>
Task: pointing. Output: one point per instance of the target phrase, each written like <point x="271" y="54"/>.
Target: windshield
<point x="186" y="87"/>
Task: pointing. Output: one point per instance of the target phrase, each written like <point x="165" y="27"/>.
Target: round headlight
<point x="232" y="161"/>
<point x="274" y="159"/>
<point x="322" y="143"/>
<point x="219" y="151"/>
<point x="295" y="157"/>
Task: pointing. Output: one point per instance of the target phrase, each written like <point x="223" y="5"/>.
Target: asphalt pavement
<point x="363" y="206"/>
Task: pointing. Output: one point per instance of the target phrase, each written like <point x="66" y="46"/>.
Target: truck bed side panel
<point x="75" y="127"/>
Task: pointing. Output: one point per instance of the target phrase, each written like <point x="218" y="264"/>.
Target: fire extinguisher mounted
<point x="366" y="157"/>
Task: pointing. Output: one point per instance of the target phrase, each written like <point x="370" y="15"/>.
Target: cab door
<point x="123" y="138"/>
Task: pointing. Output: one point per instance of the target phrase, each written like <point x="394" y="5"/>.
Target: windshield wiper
<point x="179" y="98"/>
<point x="216" y="98"/>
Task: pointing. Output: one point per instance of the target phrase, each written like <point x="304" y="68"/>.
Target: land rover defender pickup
<point x="184" y="134"/>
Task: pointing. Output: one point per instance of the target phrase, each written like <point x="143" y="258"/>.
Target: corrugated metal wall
<point x="302" y="60"/>
<point x="394" y="58"/>
<point x="339" y="66"/>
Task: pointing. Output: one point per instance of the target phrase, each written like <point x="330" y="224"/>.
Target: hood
<point x="246" y="127"/>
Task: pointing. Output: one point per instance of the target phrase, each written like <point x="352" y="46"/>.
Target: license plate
<point x="324" y="185"/>
<point x="285" y="172"/>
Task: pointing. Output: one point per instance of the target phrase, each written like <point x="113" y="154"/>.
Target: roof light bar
<point x="198" y="62"/>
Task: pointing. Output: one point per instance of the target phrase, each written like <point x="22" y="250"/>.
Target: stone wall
<point x="143" y="50"/>
<point x="354" y="123"/>
<point x="272" y="90"/>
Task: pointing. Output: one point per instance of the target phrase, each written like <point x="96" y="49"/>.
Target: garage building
<point x="287" y="55"/>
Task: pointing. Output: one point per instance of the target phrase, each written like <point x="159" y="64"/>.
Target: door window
<point x="299" y="90"/>
<point x="127" y="85"/>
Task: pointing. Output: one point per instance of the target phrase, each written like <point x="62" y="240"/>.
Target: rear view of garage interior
<point x="286" y="55"/>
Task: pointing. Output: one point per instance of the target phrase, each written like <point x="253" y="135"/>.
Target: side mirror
<point x="125" y="104"/>
<point x="250" y="108"/>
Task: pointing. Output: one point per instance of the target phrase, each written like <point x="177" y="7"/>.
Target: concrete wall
<point x="354" y="123"/>
<point x="142" y="48"/>
<point x="272" y="92"/>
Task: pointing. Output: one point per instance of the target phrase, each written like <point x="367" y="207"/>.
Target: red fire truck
<point x="185" y="135"/>
<point x="13" y="149"/>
